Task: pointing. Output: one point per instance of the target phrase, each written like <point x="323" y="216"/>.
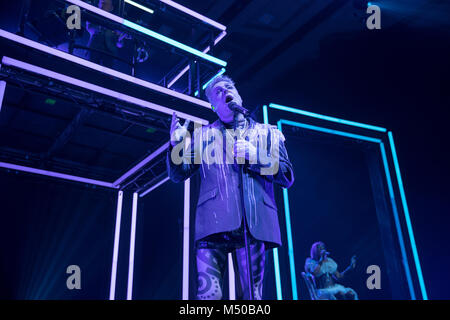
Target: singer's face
<point x="223" y="93"/>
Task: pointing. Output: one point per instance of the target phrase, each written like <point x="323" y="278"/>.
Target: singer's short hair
<point x="213" y="83"/>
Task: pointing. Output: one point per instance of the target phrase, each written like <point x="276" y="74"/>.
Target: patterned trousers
<point x="211" y="267"/>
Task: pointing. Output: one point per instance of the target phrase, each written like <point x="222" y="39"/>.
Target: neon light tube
<point x="332" y="119"/>
<point x="194" y="14"/>
<point x="289" y="238"/>
<point x="276" y="263"/>
<point x="137" y="5"/>
<point x="219" y="37"/>
<point x="222" y="71"/>
<point x="154" y="187"/>
<point x="182" y="72"/>
<point x="55" y="174"/>
<point x="141" y="164"/>
<point x="397" y="222"/>
<point x="2" y="92"/>
<point x="231" y="278"/>
<point x="86" y="85"/>
<point x="97" y="67"/>
<point x="178" y="76"/>
<point x="148" y="32"/>
<point x="174" y="43"/>
<point x="132" y="246"/>
<point x="407" y="217"/>
<point x="340" y="133"/>
<point x="112" y="290"/>
<point x="186" y="218"/>
<point x="265" y="114"/>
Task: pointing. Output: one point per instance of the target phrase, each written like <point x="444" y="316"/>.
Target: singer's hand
<point x="177" y="131"/>
<point x="244" y="149"/>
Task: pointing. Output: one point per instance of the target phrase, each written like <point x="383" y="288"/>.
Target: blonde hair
<point x="213" y="83"/>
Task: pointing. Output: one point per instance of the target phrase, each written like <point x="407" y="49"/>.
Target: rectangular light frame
<point x="388" y="177"/>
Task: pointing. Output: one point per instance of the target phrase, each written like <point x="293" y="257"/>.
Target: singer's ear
<point x="213" y="108"/>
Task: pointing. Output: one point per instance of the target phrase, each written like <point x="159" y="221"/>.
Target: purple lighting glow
<point x="132" y="245"/>
<point x="112" y="290"/>
<point x="187" y="192"/>
<point x="153" y="187"/>
<point x="86" y="85"/>
<point x="55" y="174"/>
<point x="2" y="92"/>
<point x="97" y="67"/>
<point x="185" y="69"/>
<point x="194" y="14"/>
<point x="141" y="164"/>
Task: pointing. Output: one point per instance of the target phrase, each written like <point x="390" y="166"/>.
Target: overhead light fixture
<point x="148" y="32"/>
<point x="99" y="68"/>
<point x="89" y="86"/>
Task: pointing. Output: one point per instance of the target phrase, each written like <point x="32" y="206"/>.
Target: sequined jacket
<point x="221" y="204"/>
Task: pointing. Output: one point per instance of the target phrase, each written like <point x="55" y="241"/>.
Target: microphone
<point x="237" y="108"/>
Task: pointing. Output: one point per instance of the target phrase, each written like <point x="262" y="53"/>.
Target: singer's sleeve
<point x="184" y="170"/>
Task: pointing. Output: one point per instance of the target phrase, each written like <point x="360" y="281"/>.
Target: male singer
<point x="236" y="210"/>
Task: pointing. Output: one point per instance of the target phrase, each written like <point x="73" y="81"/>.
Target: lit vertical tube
<point x="289" y="239"/>
<point x="231" y="278"/>
<point x="132" y="246"/>
<point x="187" y="191"/>
<point x="265" y="115"/>
<point x="407" y="217"/>
<point x="397" y="222"/>
<point x="2" y="92"/>
<point x="276" y="260"/>
<point x="290" y="245"/>
<point x="112" y="290"/>
<point x="277" y="274"/>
